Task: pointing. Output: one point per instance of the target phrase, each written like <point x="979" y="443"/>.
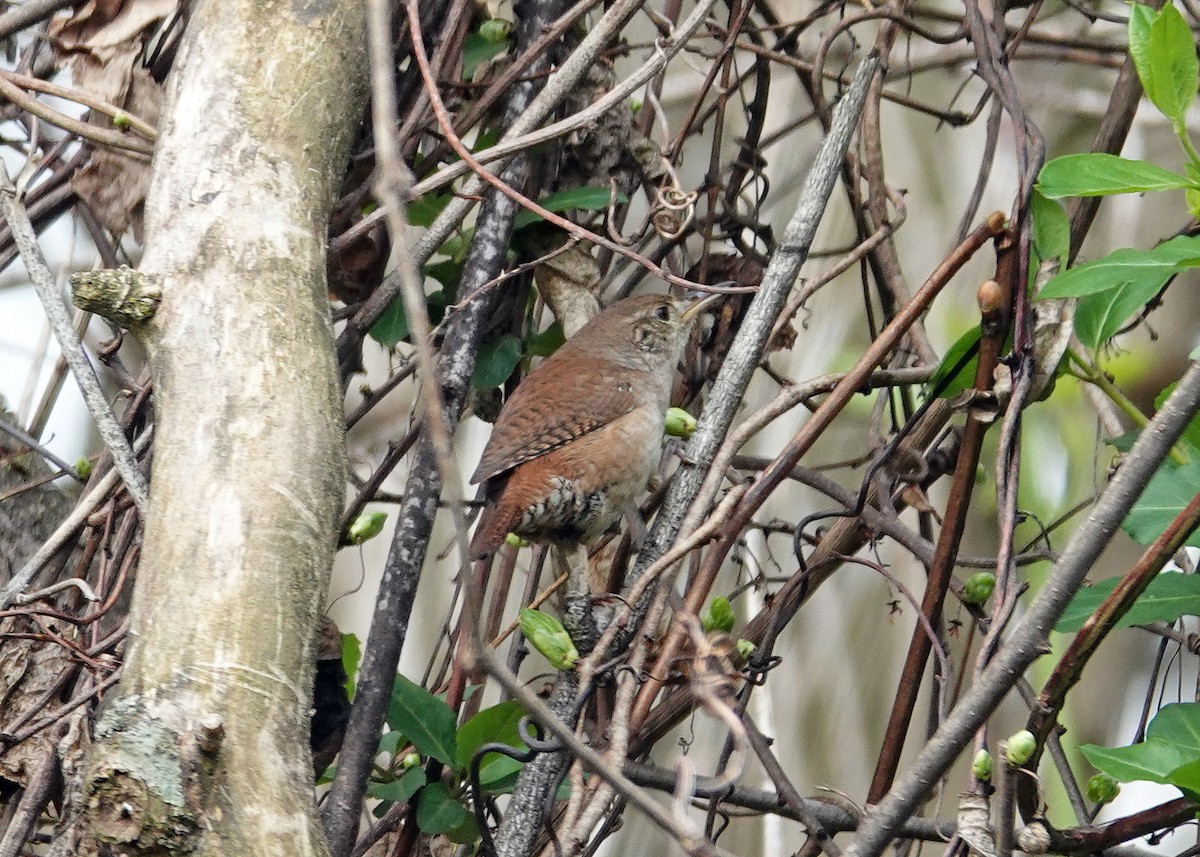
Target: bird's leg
<point x="637" y="526"/>
<point x="573" y="562"/>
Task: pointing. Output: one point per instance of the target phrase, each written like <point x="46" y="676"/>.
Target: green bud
<point x="548" y="636"/>
<point x="121" y="120"/>
<point x="367" y="526"/>
<point x="718" y="616"/>
<point x="635" y="105"/>
<point x="516" y="541"/>
<point x="1102" y="788"/>
<point x="745" y="649"/>
<point x="1018" y="749"/>
<point x="981" y="766"/>
<point x="83" y="467"/>
<point x="410" y="761"/>
<point x="978" y="587"/>
<point x="680" y="423"/>
<point x="495" y="30"/>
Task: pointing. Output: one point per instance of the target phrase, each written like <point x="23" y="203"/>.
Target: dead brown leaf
<point x="104" y="42"/>
<point x="29" y="671"/>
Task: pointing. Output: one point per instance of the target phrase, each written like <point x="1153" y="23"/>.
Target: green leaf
<point x="1169" y="596"/>
<point x="1169" y="755"/>
<point x="427" y="721"/>
<point x="1051" y="228"/>
<point x="466" y="833"/>
<point x="956" y="380"/>
<point x="1165" y="56"/>
<point x="448" y="272"/>
<point x="1126" y="266"/>
<point x="496" y="362"/>
<point x="1171" y="489"/>
<point x="495" y="724"/>
<point x="392" y="327"/>
<point x="486" y="138"/>
<point x="391" y="741"/>
<point x="499" y="774"/>
<point x="457" y="245"/>
<point x="1141" y="19"/>
<point x="1099" y="174"/>
<point x="1151" y="760"/>
<point x="589" y="198"/>
<point x="1186" y="778"/>
<point x="399" y="790"/>
<point x="1098" y="317"/>
<point x="477" y="50"/>
<point x="437" y="810"/>
<point x="545" y="343"/>
<point x="423" y="210"/>
<point x="351" y="656"/>
<point x="1115" y="288"/>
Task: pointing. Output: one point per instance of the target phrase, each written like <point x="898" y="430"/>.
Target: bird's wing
<point x="536" y="420"/>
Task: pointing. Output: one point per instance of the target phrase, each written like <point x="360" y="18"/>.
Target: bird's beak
<point x="696" y="307"/>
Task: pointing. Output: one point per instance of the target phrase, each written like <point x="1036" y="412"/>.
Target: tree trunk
<point x="204" y="747"/>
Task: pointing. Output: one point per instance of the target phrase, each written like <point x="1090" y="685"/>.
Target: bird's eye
<point x="662" y="312"/>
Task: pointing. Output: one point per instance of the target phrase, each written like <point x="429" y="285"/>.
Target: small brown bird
<point x="580" y="438"/>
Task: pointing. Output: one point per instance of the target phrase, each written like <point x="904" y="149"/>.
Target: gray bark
<point x="204" y="748"/>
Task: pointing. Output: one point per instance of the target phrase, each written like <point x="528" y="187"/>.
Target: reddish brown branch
<point x="995" y="317"/>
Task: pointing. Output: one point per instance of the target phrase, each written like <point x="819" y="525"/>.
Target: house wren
<point x="580" y="438"/>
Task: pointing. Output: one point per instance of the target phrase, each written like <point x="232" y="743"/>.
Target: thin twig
<point x="559" y="86"/>
<point x="1027" y="641"/>
<point x="32" y="443"/>
<point x="71" y="345"/>
<point x="100" y="136"/>
<point x="828" y="815"/>
<point x="30" y="803"/>
<point x="342" y="807"/>
<point x="686" y="837"/>
<point x="81" y="96"/>
<point x="65" y="530"/>
<point x="29" y="12"/>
